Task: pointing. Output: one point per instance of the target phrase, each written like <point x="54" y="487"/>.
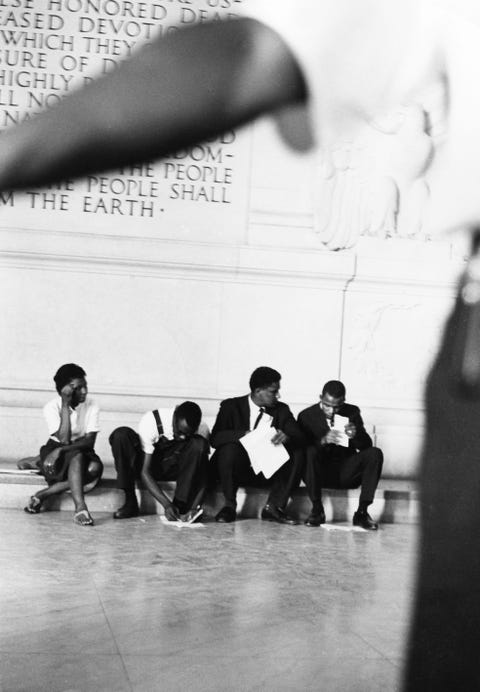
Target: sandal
<point x="34" y="505"/>
<point x="83" y="518"/>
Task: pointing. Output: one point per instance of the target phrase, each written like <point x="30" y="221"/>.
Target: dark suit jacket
<point x="233" y="422"/>
<point x="314" y="426"/>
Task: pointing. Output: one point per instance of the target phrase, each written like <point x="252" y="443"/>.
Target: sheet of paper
<point x="181" y="524"/>
<point x="265" y="457"/>
<point x="339" y="423"/>
<point x="336" y="527"/>
<point x="187" y="519"/>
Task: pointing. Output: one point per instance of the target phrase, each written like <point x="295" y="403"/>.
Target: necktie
<point x="259" y="417"/>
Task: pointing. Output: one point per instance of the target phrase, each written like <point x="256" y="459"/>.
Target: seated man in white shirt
<point x="67" y="460"/>
<point x="171" y="445"/>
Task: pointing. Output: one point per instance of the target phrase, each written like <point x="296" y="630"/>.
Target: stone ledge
<point x="396" y="501"/>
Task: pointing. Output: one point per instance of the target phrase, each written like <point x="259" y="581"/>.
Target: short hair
<point x="191" y="412"/>
<point x="335" y="388"/>
<point x="263" y="377"/>
<point x="66" y="373"/>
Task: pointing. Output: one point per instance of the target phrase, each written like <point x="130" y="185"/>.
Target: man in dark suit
<point x="237" y="417"/>
<point x="330" y="464"/>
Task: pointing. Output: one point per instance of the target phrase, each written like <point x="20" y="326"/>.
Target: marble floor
<point x="140" y="606"/>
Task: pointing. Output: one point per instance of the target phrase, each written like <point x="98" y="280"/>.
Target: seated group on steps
<point x="256" y="441"/>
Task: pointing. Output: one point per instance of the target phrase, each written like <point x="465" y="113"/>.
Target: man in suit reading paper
<point x="339" y="454"/>
<point x="236" y="418"/>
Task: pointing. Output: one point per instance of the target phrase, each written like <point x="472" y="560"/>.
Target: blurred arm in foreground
<point x="194" y="84"/>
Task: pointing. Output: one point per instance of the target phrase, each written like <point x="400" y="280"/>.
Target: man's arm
<point x="361" y="439"/>
<point x="87" y="442"/>
<point x="64" y="429"/>
<point x="154" y="489"/>
<point x="181" y="89"/>
<point x="288" y="430"/>
<point x="319" y="434"/>
<point x="224" y="430"/>
<point x="63" y="432"/>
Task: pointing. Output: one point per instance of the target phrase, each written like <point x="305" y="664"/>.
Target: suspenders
<point x="163" y="443"/>
<point x="156" y="415"/>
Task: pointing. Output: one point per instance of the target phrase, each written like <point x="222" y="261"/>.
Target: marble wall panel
<point x="128" y="331"/>
<point x="295" y="330"/>
<point x="390" y="339"/>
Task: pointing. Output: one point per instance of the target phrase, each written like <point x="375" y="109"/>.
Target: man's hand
<point x="350" y="430"/>
<point x="66" y="393"/>
<point x="331" y="438"/>
<point x="279" y="438"/>
<point x="172" y="513"/>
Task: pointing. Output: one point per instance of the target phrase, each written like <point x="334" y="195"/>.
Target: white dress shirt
<point x="264" y="422"/>
<point x="83" y="419"/>
<point x="148" y="431"/>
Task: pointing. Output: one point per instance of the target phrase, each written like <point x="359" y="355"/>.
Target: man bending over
<point x="171" y="445"/>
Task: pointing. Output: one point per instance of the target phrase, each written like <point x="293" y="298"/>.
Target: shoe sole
<point x="127" y="516"/>
<point x="279" y="521"/>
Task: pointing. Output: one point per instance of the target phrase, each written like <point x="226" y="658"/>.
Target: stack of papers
<point x="265" y="457"/>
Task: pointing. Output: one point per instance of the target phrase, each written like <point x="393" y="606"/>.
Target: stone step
<point x="396" y="501"/>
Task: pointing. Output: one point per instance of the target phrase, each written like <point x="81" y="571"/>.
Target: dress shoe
<point x="315" y="518"/>
<point x="226" y="515"/>
<point x="129" y="509"/>
<point x="365" y="521"/>
<point x="272" y="513"/>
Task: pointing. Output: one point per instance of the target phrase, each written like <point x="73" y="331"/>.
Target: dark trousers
<point x="443" y="652"/>
<point x="233" y="469"/>
<point x="183" y="461"/>
<point x="325" y="469"/>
